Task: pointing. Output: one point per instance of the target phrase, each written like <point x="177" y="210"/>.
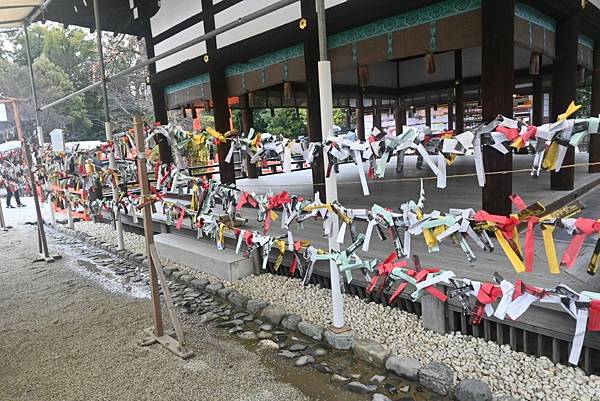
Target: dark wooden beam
<point x="564" y="90"/>
<point x="459" y="92"/>
<point x="594" y="147"/>
<point x="360" y="114"/>
<point x="428" y="114"/>
<point x="247" y="123"/>
<point x="158" y="94"/>
<point x="377" y="113"/>
<point x="538" y="100"/>
<point x="497" y="84"/>
<point x="218" y="89"/>
<point x="311" y="58"/>
<point x="450" y="116"/>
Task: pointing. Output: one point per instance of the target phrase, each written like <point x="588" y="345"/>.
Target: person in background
<point x="11" y="190"/>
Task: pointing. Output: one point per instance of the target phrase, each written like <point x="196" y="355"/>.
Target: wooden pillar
<point x="247" y="123"/>
<point x="564" y="87"/>
<point x="349" y="118"/>
<point x="311" y="58"/>
<point x="399" y="118"/>
<point x="360" y="114"/>
<point x="538" y="100"/>
<point x="450" y="116"/>
<point x="594" y="147"/>
<point x="159" y="103"/>
<point x="377" y="113"/>
<point x="428" y="115"/>
<point x="459" y="93"/>
<point x="497" y="84"/>
<point x="218" y="89"/>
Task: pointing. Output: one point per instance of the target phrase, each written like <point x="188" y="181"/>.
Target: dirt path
<point x="65" y="338"/>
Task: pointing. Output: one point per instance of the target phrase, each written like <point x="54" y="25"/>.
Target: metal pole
<point x="39" y="131"/>
<point x="227" y="27"/>
<point x="36" y="201"/>
<point x="326" y="101"/>
<point x="108" y="128"/>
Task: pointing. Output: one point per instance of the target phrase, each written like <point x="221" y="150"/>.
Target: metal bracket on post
<point x="156" y="334"/>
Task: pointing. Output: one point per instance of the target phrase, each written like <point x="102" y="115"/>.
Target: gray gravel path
<point x="64" y="338"/>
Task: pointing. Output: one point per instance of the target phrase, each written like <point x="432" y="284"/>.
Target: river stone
<point x="304" y="360"/>
<point x="247" y="335"/>
<point x="317" y="352"/>
<point x="199" y="283"/>
<point x="186" y="278"/>
<point x="267" y="345"/>
<point x="273" y="313"/>
<point x="264" y="334"/>
<point x="375" y="379"/>
<point x="436" y="377"/>
<point x="297" y="347"/>
<point x="178" y="273"/>
<point x="358" y="387"/>
<point x="290" y="322"/>
<point x="343" y="340"/>
<point x="370" y="351"/>
<point x="311" y="330"/>
<point x="213" y="288"/>
<point x="208" y="317"/>
<point x="403" y="366"/>
<point x="224" y="292"/>
<point x="288" y="354"/>
<point x="256" y="305"/>
<point x="238" y="299"/>
<point x="168" y="270"/>
<point x="266" y="327"/>
<point x="380" y="397"/>
<point x="472" y="390"/>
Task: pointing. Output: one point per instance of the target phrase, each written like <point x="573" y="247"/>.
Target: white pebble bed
<point x="507" y="372"/>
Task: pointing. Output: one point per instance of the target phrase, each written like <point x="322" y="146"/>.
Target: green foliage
<point x="285" y="121"/>
<point x="66" y="60"/>
<point x="339" y="118"/>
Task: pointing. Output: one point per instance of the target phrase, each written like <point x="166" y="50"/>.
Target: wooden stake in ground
<point x="44" y="255"/>
<point x="157" y="333"/>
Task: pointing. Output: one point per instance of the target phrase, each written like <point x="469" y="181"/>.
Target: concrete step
<point x="204" y="256"/>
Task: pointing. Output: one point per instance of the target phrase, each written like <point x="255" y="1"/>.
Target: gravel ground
<point x="64" y="338"/>
<point x="508" y="372"/>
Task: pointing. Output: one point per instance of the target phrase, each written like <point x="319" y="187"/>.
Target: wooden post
<point x="218" y="89"/>
<point x="311" y="58"/>
<point x="157" y="332"/>
<point x="497" y="85"/>
<point x="377" y="113"/>
<point x="538" y="98"/>
<point x="43" y="244"/>
<point x="450" y="116"/>
<point x="3" y="225"/>
<point x="594" y="146"/>
<point x="459" y="93"/>
<point x="360" y="114"/>
<point x="564" y="87"/>
<point x="428" y="115"/>
<point x="247" y="123"/>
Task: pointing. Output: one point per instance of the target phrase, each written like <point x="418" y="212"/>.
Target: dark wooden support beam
<point x="158" y="94"/>
<point x="428" y="115"/>
<point x="377" y="113"/>
<point x="311" y="58"/>
<point x="459" y="92"/>
<point x="399" y="118"/>
<point x="538" y="100"/>
<point x="450" y="116"/>
<point x="247" y="123"/>
<point x="218" y="88"/>
<point x="564" y="87"/>
<point x="497" y="84"/>
<point x="360" y="114"/>
<point x="594" y="147"/>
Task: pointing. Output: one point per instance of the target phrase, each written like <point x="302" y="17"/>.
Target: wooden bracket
<point x="167" y="341"/>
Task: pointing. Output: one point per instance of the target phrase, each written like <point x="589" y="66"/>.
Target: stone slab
<point x="203" y="256"/>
